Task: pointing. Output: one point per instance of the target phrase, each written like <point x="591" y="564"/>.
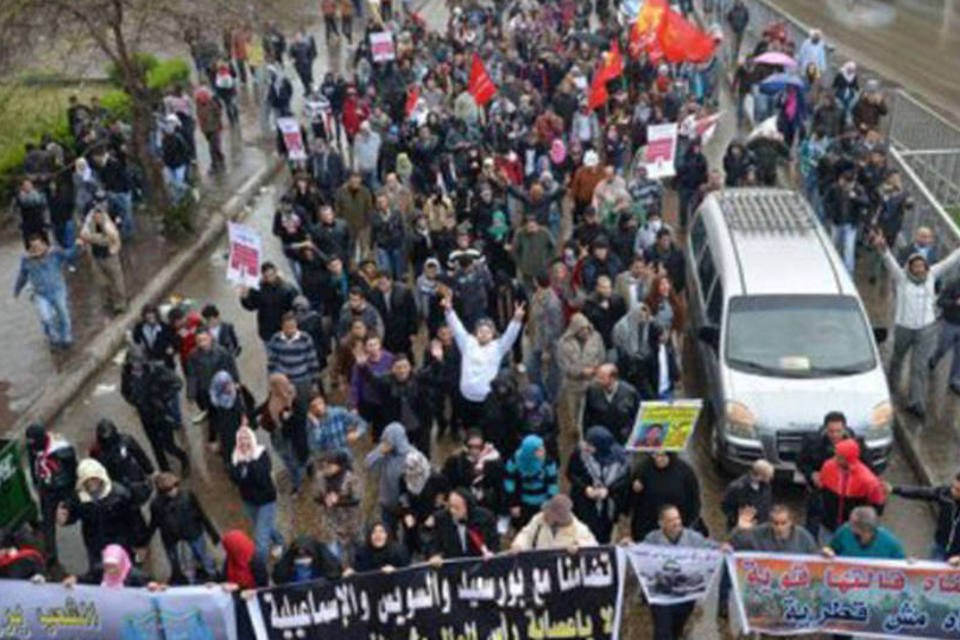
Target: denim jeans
<point x="392" y="261"/>
<point x="66" y="234"/>
<point x="201" y="555"/>
<point x="845" y="240"/>
<point x="176" y="179"/>
<point x="122" y="203"/>
<point x="55" y="316"/>
<point x="264" y="517"/>
<point x="546" y="377"/>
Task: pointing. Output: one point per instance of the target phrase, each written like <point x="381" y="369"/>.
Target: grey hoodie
<point x="391" y="465"/>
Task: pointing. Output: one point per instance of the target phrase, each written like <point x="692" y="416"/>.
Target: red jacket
<point x="844" y="489"/>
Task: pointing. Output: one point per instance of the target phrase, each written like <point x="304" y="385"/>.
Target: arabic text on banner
<point x="37" y="612"/>
<point x="664" y="426"/>
<point x="661" y="150"/>
<point x="243" y="263"/>
<point x="671" y="575"/>
<point x="540" y="594"/>
<point x="788" y="595"/>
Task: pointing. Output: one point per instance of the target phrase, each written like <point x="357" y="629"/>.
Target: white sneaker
<point x="198" y="418"/>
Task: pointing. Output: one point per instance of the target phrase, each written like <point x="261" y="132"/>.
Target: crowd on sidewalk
<point x="499" y="280"/>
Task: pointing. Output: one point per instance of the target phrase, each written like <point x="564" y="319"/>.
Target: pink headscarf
<point x="558" y="151"/>
<point x="115" y="554"/>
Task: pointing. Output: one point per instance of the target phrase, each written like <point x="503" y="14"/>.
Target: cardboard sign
<point x="382" y="46"/>
<point x="661" y="151"/>
<point x="246" y="252"/>
<point x="292" y="138"/>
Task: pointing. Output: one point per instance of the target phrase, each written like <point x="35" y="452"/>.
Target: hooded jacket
<point x="124" y="460"/>
<point x="916" y="306"/>
<point x="845" y="489"/>
<point x="574" y="356"/>
<point x="109" y="518"/>
<point x="53" y="462"/>
<point x="391" y="465"/>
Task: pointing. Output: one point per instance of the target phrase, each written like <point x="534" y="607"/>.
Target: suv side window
<point x="706" y="271"/>
<point x="715" y="304"/>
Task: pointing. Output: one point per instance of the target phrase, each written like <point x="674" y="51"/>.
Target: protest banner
<point x="664" y="426"/>
<point x="243" y="264"/>
<point x="38" y="611"/>
<point x="382" y="47"/>
<point x="671" y="575"/>
<point x="538" y="594"/>
<point x="660" y="153"/>
<point x="792" y="595"/>
<point x="292" y="138"/>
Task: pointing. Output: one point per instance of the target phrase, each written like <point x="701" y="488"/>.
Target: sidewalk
<point x="28" y="366"/>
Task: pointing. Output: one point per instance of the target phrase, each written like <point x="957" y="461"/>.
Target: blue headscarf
<point x="526" y="457"/>
<point x="223" y="393"/>
<point x="606" y="449"/>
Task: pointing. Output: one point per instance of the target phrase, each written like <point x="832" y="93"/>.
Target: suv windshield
<point x="798" y="336"/>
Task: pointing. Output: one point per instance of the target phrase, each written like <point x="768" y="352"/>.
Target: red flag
<point x="681" y="41"/>
<point x="413" y="96"/>
<point x="645" y="28"/>
<point x="481" y="86"/>
<point x="614" y="61"/>
<point x="598" y="88"/>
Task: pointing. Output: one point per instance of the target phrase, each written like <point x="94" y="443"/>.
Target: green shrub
<point x="145" y="62"/>
<point x="118" y="104"/>
<point x="168" y="73"/>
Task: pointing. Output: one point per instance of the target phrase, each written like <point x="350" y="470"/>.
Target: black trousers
<point x="160" y="435"/>
<point x="670" y="620"/>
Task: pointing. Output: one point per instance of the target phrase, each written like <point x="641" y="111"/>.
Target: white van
<point x="783" y="334"/>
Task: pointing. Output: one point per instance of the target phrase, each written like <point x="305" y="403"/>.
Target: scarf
<point x="240" y="551"/>
<point x="282" y="395"/>
<point x="115" y="554"/>
<point x="237" y="456"/>
<point x="526" y="456"/>
<point x="223" y="392"/>
<point x="416" y="472"/>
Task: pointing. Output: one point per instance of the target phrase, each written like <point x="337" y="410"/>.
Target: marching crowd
<point x="480" y="298"/>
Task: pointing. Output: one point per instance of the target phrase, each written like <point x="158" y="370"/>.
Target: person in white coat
<point x="915" y="317"/>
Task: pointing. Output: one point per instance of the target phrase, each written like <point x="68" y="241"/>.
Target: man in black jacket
<point x="754" y="490"/>
<point x="815" y="449"/>
<point x="204" y="363"/>
<point x="398" y="309"/>
<point x="223" y="333"/>
<point x="273" y="299"/>
<point x="407" y="398"/>
<point x="665" y="253"/>
<point x="331" y="235"/>
<point x="180" y="518"/>
<point x="611" y="402"/>
<point x="124" y="459"/>
<point x="604" y="308"/>
<point x="326" y="166"/>
<point x="463" y="530"/>
<point x="152" y="388"/>
<point x="946" y="540"/>
<point x="949" y="303"/>
<point x="53" y="469"/>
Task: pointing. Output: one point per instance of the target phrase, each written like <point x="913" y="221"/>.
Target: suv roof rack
<point x="760" y="211"/>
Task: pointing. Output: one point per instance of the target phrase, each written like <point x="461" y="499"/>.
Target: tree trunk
<point x="142" y="124"/>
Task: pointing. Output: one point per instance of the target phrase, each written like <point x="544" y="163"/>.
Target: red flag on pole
<point x="413" y="96"/>
<point x="681" y="41"/>
<point x="598" y="89"/>
<point x="614" y="61"/>
<point x="481" y="86"/>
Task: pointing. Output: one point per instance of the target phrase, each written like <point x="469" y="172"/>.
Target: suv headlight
<point x="881" y="419"/>
<point x="740" y="420"/>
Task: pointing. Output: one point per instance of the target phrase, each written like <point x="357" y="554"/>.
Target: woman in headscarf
<point x="284" y="417"/>
<point x="599" y="473"/>
<point x="307" y="560"/>
<point x="379" y="552"/>
<point x="389" y="458"/>
<point x="229" y="404"/>
<point x="530" y="480"/>
<point x="663" y="479"/>
<point x="114" y="571"/>
<point x="423" y="491"/>
<point x="846" y="87"/>
<point x="251" y="471"/>
<point x="243" y="567"/>
<point x="339" y="492"/>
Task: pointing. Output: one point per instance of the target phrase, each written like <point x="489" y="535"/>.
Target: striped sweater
<point x="294" y="357"/>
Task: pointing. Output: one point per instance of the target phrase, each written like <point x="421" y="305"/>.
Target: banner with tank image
<point x="671" y="575"/>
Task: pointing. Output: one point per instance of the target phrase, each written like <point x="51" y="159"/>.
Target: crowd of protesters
<point x="479" y="300"/>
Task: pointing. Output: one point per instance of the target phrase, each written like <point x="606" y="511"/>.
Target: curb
<point x="912" y="452"/>
<point x="102" y="349"/>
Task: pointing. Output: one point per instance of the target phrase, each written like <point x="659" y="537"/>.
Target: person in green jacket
<point x="533" y="247"/>
<point x="863" y="537"/>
